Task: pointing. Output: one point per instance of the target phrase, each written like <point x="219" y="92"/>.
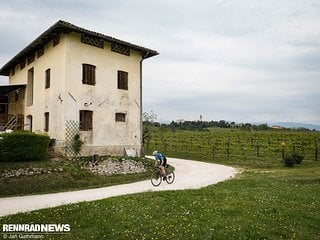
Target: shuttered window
<point x="86" y="120"/>
<point x="122" y="80"/>
<point x="88" y="74"/>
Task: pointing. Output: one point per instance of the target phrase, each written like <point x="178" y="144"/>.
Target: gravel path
<point x="189" y="175"/>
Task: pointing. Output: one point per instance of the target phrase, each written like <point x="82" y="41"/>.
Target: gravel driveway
<point x="189" y="175"/>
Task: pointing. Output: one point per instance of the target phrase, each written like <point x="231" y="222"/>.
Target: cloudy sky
<point x="236" y="60"/>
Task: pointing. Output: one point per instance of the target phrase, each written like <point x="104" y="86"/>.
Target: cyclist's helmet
<point x="155" y="153"/>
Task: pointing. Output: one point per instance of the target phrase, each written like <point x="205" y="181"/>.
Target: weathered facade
<point x="73" y="75"/>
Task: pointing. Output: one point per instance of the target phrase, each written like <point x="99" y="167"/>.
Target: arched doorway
<point x="28" y="125"/>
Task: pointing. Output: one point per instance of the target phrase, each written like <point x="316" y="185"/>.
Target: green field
<point x="266" y="201"/>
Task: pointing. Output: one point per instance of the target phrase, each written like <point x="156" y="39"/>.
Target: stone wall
<point x="111" y="166"/>
<point x="28" y="172"/>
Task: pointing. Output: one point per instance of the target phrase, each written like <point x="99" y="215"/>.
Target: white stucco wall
<point x="67" y="94"/>
<point x="45" y="100"/>
<point x="104" y="96"/>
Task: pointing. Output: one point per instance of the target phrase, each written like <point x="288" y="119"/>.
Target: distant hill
<point x="295" y="125"/>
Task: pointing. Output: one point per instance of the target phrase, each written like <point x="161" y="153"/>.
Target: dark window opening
<point x="31" y="58"/>
<point x="55" y="40"/>
<point x="120" y="117"/>
<point x="22" y="64"/>
<point x="122" y="80"/>
<point x="47" y="80"/>
<point x="46" y="122"/>
<point x="40" y="52"/>
<point x="88" y="74"/>
<point x="86" y="120"/>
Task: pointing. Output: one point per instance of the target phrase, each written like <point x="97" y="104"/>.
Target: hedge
<point x="23" y="146"/>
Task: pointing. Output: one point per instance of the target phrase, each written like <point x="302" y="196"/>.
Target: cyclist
<point x="162" y="160"/>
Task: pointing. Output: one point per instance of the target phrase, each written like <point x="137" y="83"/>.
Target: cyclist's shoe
<point x="164" y="178"/>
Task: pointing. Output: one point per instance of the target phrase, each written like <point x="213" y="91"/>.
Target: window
<point x="120" y="117"/>
<point x="31" y="58"/>
<point x="46" y="121"/>
<point x="118" y="48"/>
<point x="122" y="80"/>
<point x="86" y="120"/>
<point x="40" y="52"/>
<point x="93" y="41"/>
<point x="22" y="64"/>
<point x="88" y="74"/>
<point x="47" y="83"/>
<point x="30" y="87"/>
<point x="55" y="40"/>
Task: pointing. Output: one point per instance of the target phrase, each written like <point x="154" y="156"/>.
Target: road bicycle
<point x="157" y="177"/>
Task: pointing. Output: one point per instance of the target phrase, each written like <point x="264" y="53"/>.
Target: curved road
<point x="189" y="175"/>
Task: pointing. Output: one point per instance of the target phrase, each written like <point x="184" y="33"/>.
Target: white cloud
<point x="238" y="60"/>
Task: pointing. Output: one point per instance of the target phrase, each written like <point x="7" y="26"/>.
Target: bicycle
<point x="157" y="177"/>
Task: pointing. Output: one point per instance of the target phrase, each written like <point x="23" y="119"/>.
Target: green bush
<point x="288" y="160"/>
<point x="23" y="146"/>
<point x="297" y="158"/>
<point x="291" y="159"/>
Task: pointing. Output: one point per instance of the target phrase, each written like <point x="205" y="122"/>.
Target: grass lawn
<point x="260" y="203"/>
<point x="73" y="177"/>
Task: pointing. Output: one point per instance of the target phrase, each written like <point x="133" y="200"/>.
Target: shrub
<point x="23" y="146"/>
<point x="297" y="158"/>
<point x="76" y="144"/>
<point x="291" y="159"/>
<point x="288" y="160"/>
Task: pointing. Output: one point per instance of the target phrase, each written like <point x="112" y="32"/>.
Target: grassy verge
<point x="278" y="203"/>
<point x="73" y="177"/>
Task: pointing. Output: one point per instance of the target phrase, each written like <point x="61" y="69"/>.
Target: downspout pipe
<point x="142" y="153"/>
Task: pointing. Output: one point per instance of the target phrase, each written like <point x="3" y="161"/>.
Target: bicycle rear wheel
<point x="170" y="178"/>
<point x="156" y="178"/>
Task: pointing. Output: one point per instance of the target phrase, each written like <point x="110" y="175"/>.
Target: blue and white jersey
<point x="159" y="157"/>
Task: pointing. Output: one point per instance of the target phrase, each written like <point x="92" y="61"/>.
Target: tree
<point x="148" y="121"/>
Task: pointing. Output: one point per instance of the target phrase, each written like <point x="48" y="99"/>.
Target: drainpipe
<point x="141" y="120"/>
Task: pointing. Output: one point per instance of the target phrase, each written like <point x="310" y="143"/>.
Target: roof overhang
<point x="5" y="89"/>
<point x="65" y="27"/>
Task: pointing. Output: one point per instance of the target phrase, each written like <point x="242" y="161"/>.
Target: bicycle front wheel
<point x="170" y="178"/>
<point x="156" y="178"/>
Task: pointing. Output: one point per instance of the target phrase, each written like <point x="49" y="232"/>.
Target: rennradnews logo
<point x="33" y="231"/>
<point x="36" y="228"/>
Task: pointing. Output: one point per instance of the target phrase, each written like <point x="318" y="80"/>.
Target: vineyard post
<point x="245" y="153"/>
<point x="165" y="145"/>
<point x="228" y="149"/>
<point x="258" y="149"/>
<point x="283" y="144"/>
<point x="316" y="142"/>
<point x="213" y="151"/>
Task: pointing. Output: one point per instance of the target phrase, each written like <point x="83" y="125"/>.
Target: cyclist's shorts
<point x="164" y="162"/>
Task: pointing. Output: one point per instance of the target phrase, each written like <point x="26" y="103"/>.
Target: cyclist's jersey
<point x="160" y="157"/>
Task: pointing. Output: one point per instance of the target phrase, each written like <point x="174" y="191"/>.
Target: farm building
<point x="71" y="81"/>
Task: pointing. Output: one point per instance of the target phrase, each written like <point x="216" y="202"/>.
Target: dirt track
<point x="189" y="175"/>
